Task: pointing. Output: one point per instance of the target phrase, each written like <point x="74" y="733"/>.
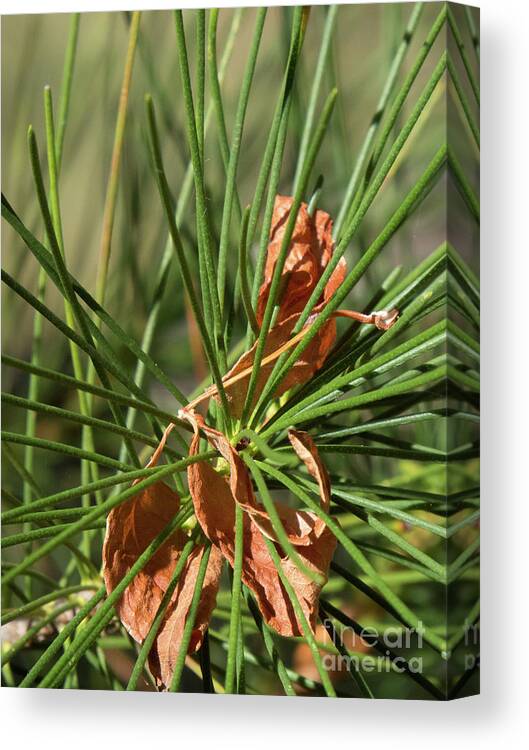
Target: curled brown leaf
<point x="131" y="527"/>
<point x="300" y="526"/>
<point x="164" y="654"/>
<point x="280" y="339"/>
<point x="306" y="450"/>
<point x="214" y="497"/>
<point x="309" y="253"/>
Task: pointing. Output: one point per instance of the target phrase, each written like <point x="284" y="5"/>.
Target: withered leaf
<point x="279" y="339"/>
<point x="309" y="253"/>
<point x="164" y="654"/>
<point x="300" y="526"/>
<point x="214" y="501"/>
<point x="131" y="527"/>
<point x="307" y="451"/>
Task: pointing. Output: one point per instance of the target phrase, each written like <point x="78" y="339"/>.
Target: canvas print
<point x="240" y="447"/>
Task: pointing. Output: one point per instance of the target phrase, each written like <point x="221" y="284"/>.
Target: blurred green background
<point x="32" y="56"/>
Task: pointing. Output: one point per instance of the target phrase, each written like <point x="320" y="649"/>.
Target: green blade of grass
<point x="462" y="50"/>
<point x="209" y="288"/>
<point x="361" y="161"/>
<point x="53" y="596"/>
<point x="103" y="361"/>
<point x="53" y="172"/>
<point x="463" y="185"/>
<point x="43" y="257"/>
<point x="235" y="150"/>
<point x="80" y="419"/>
<point x="163" y="186"/>
<point x="44" y="533"/>
<point x="371" y="397"/>
<point x="243" y="273"/>
<point x="323" y="54"/>
<point x="465" y="106"/>
<point x="168" y="253"/>
<point x="215" y="80"/>
<point x="272" y="158"/>
<point x="424" y="341"/>
<point x="235" y="612"/>
<point x="13" y="515"/>
<point x="120" y="398"/>
<point x="113" y="177"/>
<point x="277" y="663"/>
<point x="65" y="449"/>
<point x="15" y="648"/>
<point x="66" y="88"/>
<point x="200" y="74"/>
<point x="190" y="621"/>
<point x="72" y="304"/>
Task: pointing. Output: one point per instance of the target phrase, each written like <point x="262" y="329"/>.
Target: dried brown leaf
<point x="131" y="527"/>
<point x="164" y="654"/>
<point x="308" y="256"/>
<point x="214" y="502"/>
<point x="300" y="526"/>
<point x="279" y="339"/>
<point x="306" y="450"/>
<point x="309" y="253"/>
